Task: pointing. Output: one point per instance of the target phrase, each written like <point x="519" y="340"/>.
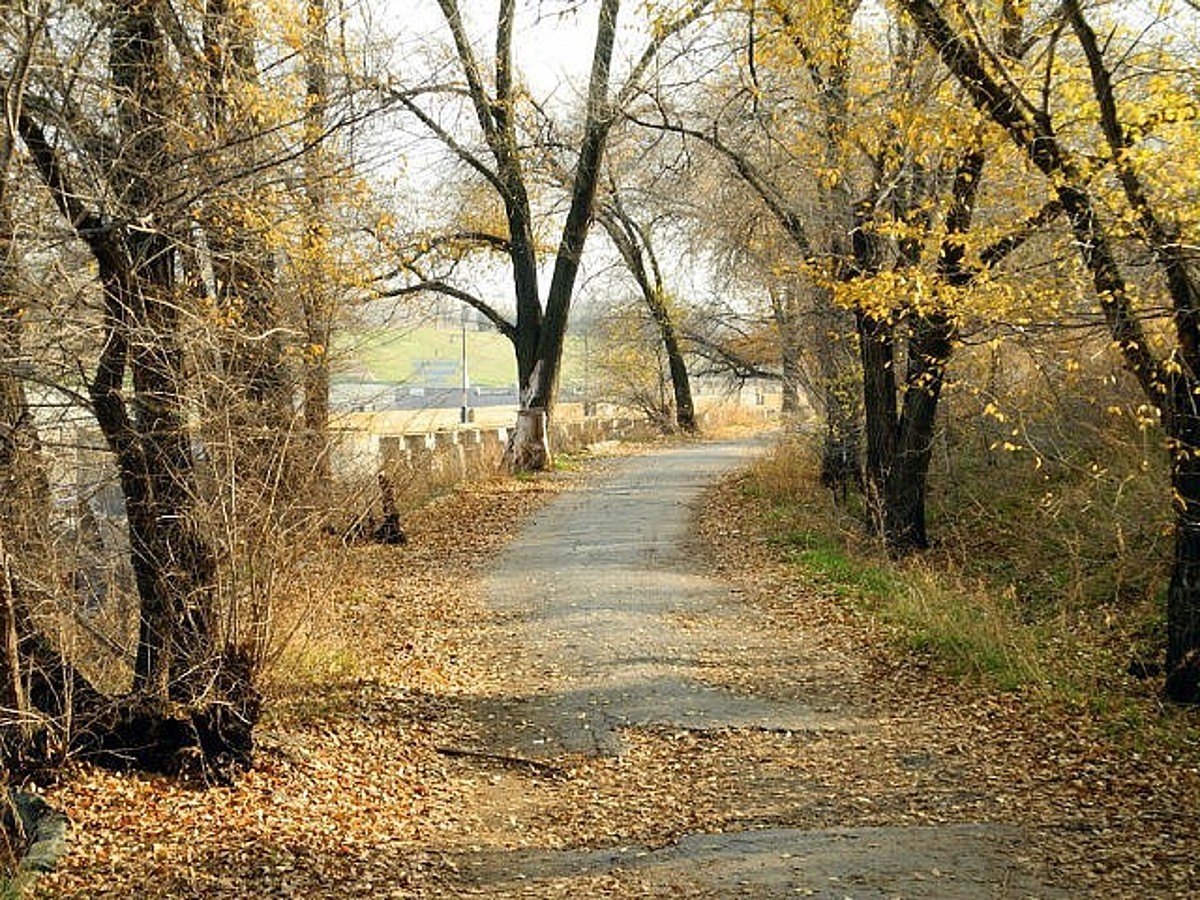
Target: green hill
<point x="433" y="356"/>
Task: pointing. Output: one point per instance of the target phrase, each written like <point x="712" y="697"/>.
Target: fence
<point x="426" y="462"/>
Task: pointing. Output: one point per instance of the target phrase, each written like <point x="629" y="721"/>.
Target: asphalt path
<point x="600" y="583"/>
<point x="599" y="589"/>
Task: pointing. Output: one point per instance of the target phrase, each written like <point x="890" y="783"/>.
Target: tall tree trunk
<point x="876" y="345"/>
<point x="317" y="302"/>
<point x="830" y="70"/>
<point x="539" y="332"/>
<point x="787" y="325"/>
<point x="188" y="692"/>
<point x="930" y="344"/>
<point x="1183" y="592"/>
<point x="929" y="349"/>
<point x="173" y="564"/>
<point x="598" y="121"/>
<point x="681" y="385"/>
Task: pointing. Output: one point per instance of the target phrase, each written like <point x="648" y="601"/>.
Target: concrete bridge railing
<point x="422" y="463"/>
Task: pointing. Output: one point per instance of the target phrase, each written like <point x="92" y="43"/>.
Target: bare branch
<point x="633" y="81"/>
<point x="452" y="144"/>
<point x="774" y="199"/>
<point x="470" y="67"/>
<point x="488" y="311"/>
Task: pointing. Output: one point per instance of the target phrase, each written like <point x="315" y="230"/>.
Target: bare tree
<point x="539" y="328"/>
<point x="635" y="244"/>
<point x="114" y="183"/>
<point x="811" y="210"/>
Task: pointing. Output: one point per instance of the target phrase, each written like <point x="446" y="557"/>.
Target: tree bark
<point x="528" y="447"/>
<point x="539" y="332"/>
<point x="316" y="301"/>
<point x="173" y="564"/>
<point x="139" y="396"/>
<point x="598" y="121"/>
<point x="681" y="386"/>
<point x="929" y="348"/>
<point x="1183" y="592"/>
<point x="877" y="347"/>
<point x="930" y="344"/>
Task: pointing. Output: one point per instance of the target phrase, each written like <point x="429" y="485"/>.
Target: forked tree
<point x="538" y="329"/>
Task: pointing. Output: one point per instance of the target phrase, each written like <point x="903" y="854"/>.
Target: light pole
<point x="465" y="411"/>
<point x="588" y="407"/>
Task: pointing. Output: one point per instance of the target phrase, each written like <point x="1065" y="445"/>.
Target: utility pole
<point x="465" y="410"/>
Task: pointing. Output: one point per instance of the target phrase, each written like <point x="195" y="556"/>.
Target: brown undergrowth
<point x="355" y="795"/>
<point x="340" y="793"/>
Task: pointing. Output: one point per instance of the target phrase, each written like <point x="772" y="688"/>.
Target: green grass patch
<point x="965" y="625"/>
<point x="1051" y="594"/>
<point x="408" y="355"/>
<point x="398" y="356"/>
<point x="969" y="630"/>
<point x="848" y="577"/>
<point x="567" y="462"/>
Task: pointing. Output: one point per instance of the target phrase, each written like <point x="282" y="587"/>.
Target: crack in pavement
<point x="873" y="863"/>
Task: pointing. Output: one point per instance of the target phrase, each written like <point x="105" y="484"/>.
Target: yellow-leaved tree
<point x="846" y="137"/>
<point x="1122" y="102"/>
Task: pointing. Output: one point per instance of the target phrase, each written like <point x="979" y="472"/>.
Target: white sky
<point x="551" y="51"/>
<point x="552" y="55"/>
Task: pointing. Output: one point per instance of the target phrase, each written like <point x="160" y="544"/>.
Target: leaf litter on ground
<point x="353" y="794"/>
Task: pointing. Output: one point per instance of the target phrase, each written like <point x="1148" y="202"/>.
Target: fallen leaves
<point x="339" y="800"/>
<point x="355" y="795"/>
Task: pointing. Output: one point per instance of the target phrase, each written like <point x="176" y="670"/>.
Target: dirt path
<point x="620" y="650"/>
